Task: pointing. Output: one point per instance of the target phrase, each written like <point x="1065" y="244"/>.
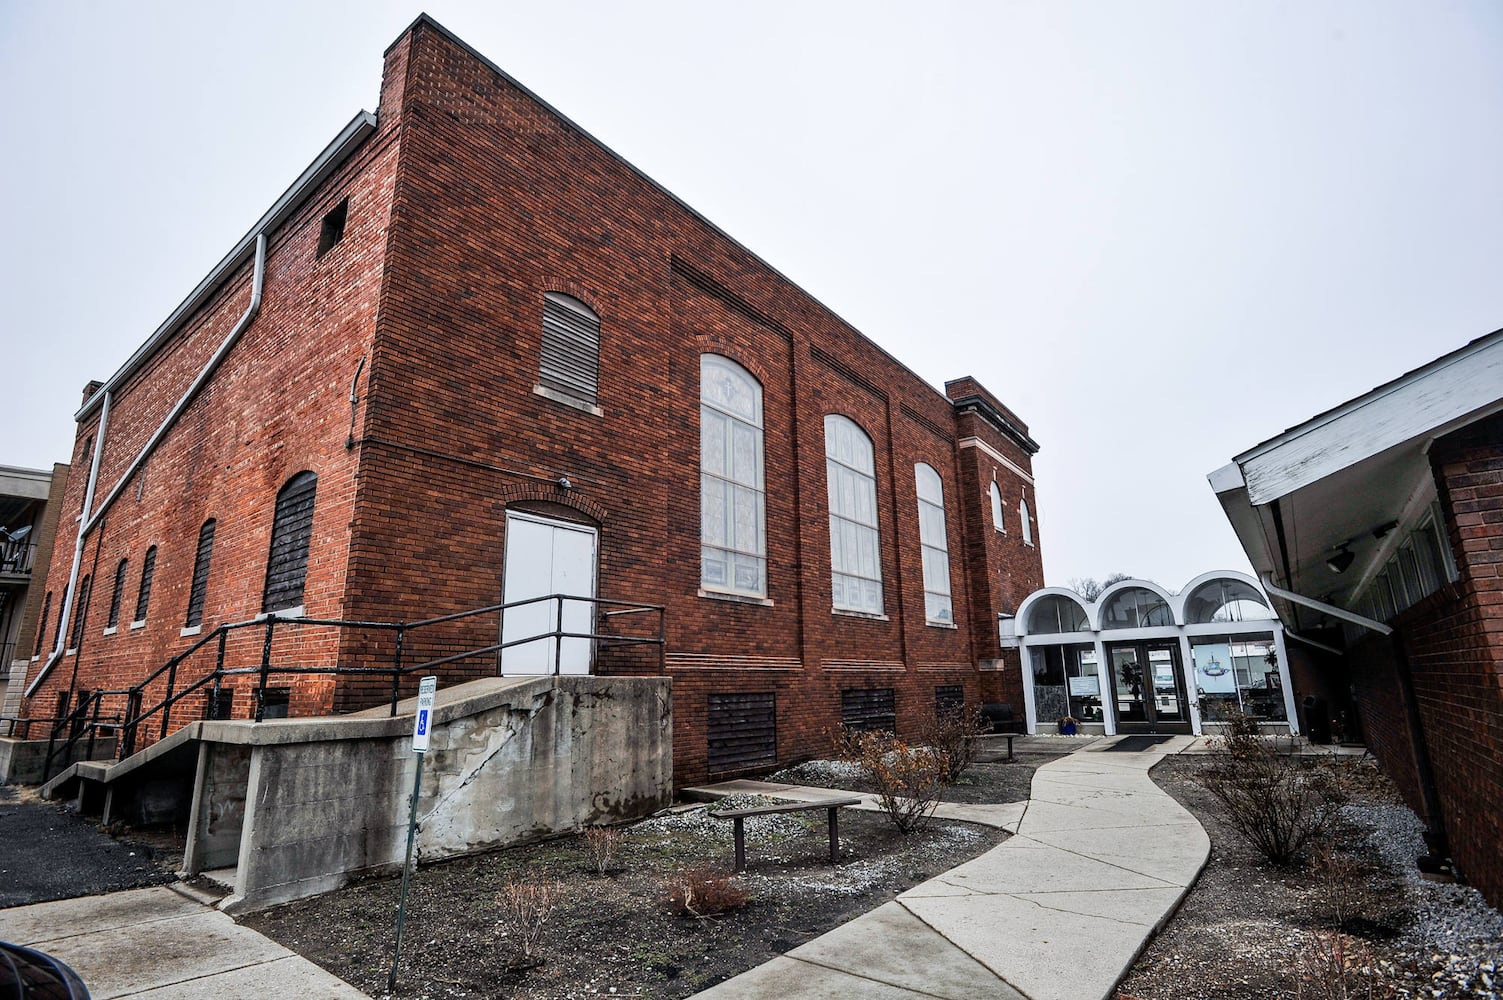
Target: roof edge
<point x="333" y="156"/>
<point x="1476" y="346"/>
<point x="427" y="19"/>
<point x="993" y="415"/>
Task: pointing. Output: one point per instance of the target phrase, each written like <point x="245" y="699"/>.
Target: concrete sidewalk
<point x="157" y="944"/>
<point x="1058" y="912"/>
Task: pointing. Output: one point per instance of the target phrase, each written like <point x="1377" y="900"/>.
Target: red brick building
<point x="472" y="356"/>
<point x="1377" y="528"/>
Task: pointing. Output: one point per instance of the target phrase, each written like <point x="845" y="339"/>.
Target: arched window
<point x="1225" y="601"/>
<point x="1136" y="607"/>
<point x="998" y="521"/>
<point x="291" y="531"/>
<point x="936" y="547"/>
<point x="1056" y="613"/>
<point x="143" y="595"/>
<point x="79" y="610"/>
<point x="855" y="548"/>
<point x="1026" y="520"/>
<point x="732" y="491"/>
<point x="571" y="348"/>
<point x="116" y="594"/>
<point x="42" y="625"/>
<point x="200" y="586"/>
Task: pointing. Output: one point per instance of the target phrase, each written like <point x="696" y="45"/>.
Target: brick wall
<point x="276" y="406"/>
<point x="493" y="200"/>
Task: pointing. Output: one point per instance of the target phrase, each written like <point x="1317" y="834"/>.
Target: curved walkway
<point x="1059" y="911"/>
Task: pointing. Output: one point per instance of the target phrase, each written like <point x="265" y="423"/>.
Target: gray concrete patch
<point x="159" y="944"/>
<point x="53" y="853"/>
<point x="1059" y="912"/>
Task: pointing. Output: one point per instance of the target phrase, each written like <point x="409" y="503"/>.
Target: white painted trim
<point x="735" y="598"/>
<point x="112" y="630"/>
<point x="975" y="442"/>
<point x="567" y="400"/>
<point x="138" y="624"/>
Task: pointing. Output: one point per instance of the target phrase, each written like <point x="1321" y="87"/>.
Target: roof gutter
<point x="1323" y="607"/>
<point x="252" y="246"/>
<point x="88" y="521"/>
<point x="334" y="155"/>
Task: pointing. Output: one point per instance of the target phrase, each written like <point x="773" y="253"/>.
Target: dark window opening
<point x="869" y="709"/>
<point x="571" y="348"/>
<point x="291" y="532"/>
<point x="143" y="596"/>
<point x="116" y="594"/>
<point x="42" y="625"/>
<point x="78" y="613"/>
<point x="219" y="705"/>
<point x="200" y="575"/>
<point x="275" y="702"/>
<point x="948" y="699"/>
<point x="332" y="230"/>
<point x="743" y="731"/>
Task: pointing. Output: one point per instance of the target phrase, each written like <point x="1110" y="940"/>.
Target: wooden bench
<point x="1009" y="737"/>
<point x="738" y="816"/>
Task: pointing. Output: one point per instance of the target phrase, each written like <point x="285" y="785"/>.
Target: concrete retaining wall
<point x="319" y="801"/>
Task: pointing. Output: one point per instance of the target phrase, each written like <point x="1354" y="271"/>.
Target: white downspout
<point x="84" y="523"/>
<point x="1324" y="608"/>
<point x="87" y="520"/>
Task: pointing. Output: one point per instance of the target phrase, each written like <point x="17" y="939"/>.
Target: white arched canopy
<point x="1225" y="600"/>
<point x="1055" y="613"/>
<point x="1135" y="607"/>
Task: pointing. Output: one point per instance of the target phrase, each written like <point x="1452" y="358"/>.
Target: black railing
<point x="387" y="651"/>
<point x="16" y="557"/>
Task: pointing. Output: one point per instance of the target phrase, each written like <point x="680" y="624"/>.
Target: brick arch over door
<point x="511" y="495"/>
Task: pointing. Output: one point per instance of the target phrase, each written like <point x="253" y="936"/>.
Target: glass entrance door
<point x="1148" y="687"/>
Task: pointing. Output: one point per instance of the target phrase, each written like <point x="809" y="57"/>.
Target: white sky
<point x="1161" y="232"/>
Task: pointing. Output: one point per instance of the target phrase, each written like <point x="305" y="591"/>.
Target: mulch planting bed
<point x="615" y="935"/>
<point x="1249" y="931"/>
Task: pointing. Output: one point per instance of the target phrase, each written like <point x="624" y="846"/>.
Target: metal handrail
<point x="86" y="719"/>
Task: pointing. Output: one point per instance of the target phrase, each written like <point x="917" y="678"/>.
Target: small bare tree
<point x="908" y="780"/>
<point x="954" y="733"/>
<point x="524" y="908"/>
<point x="1278" y="805"/>
<point x="601" y="844"/>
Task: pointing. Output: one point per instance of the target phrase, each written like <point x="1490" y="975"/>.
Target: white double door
<point x="545" y="557"/>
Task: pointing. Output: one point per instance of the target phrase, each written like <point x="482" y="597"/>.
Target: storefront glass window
<point x="1234" y="673"/>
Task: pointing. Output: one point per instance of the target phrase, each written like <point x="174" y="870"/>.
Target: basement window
<point x="332" y="230"/>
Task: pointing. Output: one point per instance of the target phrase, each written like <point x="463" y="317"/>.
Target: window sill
<point x="71" y="652"/>
<point x="949" y="625"/>
<point x="567" y="400"/>
<point x="1027" y="543"/>
<point x="735" y="598"/>
<point x="112" y="630"/>
<point x="851" y="613"/>
<point x="1000" y="531"/>
<point x="296" y="612"/>
<point x="191" y="630"/>
<point x="139" y="624"/>
<point x="35" y="659"/>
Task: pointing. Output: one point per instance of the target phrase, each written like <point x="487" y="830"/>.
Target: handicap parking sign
<point x="427" y="688"/>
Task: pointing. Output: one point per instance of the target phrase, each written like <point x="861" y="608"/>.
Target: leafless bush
<point x="704" y="893"/>
<point x="954" y="733"/>
<point x="601" y="844"/>
<point x="907" y="780"/>
<point x="524" y="908"/>
<point x="1278" y="805"/>
<point x="1337" y="966"/>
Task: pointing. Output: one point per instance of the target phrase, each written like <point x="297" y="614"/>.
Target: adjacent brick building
<point x="1384" y="516"/>
<point x="470" y="334"/>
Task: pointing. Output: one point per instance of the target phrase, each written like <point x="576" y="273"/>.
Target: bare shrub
<point x="907" y="780"/>
<point x="1277" y="804"/>
<point x="954" y="732"/>
<point x="704" y="893"/>
<point x="524" y="908"/>
<point x="601" y="844"/>
<point x="1337" y="966"/>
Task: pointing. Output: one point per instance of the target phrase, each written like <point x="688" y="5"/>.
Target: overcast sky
<point x="1161" y="232"/>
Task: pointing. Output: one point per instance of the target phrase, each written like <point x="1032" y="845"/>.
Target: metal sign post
<point x="422" y="726"/>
